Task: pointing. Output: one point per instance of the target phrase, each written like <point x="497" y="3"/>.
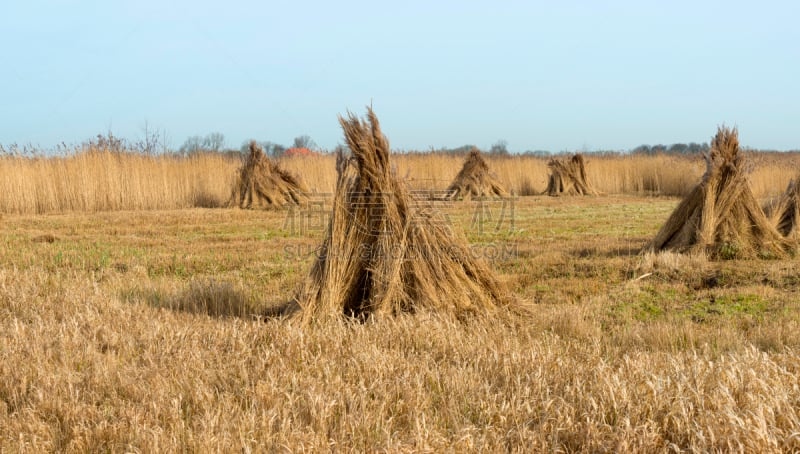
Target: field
<point x="129" y="317"/>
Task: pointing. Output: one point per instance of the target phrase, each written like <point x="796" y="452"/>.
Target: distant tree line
<point x="500" y="148"/>
<point x="215" y="142"/>
<point x="156" y="141"/>
<point x="675" y="148"/>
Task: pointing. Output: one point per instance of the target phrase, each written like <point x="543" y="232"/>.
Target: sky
<point x="557" y="76"/>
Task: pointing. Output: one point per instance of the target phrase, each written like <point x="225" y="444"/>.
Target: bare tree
<point x="272" y="149"/>
<point x="304" y="141"/>
<point x="499" y="148"/>
<point x="155" y="140"/>
<point x="192" y="144"/>
<point x="214" y="141"/>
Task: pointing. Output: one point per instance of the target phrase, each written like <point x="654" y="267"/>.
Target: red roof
<point x="299" y="152"/>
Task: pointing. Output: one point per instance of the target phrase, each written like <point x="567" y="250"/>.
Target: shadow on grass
<point x="203" y="199"/>
<point x="612" y="252"/>
<point x="212" y="298"/>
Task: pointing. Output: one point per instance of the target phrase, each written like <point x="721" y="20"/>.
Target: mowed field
<point x="140" y="331"/>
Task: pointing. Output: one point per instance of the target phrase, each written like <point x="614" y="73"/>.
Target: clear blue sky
<point x="572" y="75"/>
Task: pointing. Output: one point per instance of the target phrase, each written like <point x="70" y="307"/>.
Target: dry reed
<point x="721" y="215"/>
<point x="475" y="181"/>
<point x="265" y="182"/>
<point x="101" y="180"/>
<point x="784" y="212"/>
<point x="568" y="177"/>
<point x="384" y="255"/>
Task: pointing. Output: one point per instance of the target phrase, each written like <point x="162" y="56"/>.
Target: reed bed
<point x="101" y="180"/>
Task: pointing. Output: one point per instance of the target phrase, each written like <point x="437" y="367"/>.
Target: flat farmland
<point x="145" y="330"/>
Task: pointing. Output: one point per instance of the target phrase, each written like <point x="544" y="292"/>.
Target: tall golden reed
<point x="97" y="180"/>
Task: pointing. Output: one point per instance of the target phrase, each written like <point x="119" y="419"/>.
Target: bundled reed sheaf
<point x="382" y="254"/>
<point x="568" y="177"/>
<point x="261" y="180"/>
<point x="474" y="180"/>
<point x="784" y="213"/>
<point x="721" y="217"/>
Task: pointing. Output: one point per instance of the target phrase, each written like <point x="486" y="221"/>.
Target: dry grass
<point x="132" y="332"/>
<point x="97" y="180"/>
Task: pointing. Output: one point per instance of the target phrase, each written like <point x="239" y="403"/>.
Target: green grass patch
<point x="727" y="306"/>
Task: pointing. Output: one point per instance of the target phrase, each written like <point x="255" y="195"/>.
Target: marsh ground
<point x="138" y="331"/>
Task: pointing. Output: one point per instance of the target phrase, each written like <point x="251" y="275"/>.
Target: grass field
<point x="135" y="331"/>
